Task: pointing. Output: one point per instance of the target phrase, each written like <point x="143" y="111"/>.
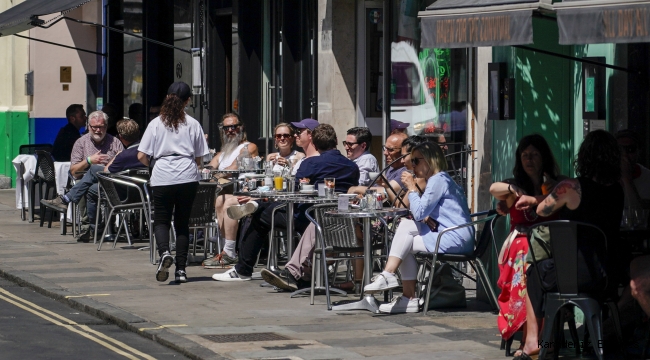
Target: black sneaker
<point x="58" y="204"/>
<point x="87" y="236"/>
<point x="166" y="261"/>
<point x="181" y="276"/>
<point x="280" y="279"/>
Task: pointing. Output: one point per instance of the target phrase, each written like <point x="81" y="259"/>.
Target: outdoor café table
<point x="290" y="199"/>
<point x="368" y="302"/>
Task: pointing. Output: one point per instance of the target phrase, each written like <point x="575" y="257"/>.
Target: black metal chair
<point x="203" y="214"/>
<point x="429" y="259"/>
<point x="45" y="175"/>
<point x="29" y="150"/>
<point x="568" y="247"/>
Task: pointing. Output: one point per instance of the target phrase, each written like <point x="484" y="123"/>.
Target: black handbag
<point x="446" y="292"/>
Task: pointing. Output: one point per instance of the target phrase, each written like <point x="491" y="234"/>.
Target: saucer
<point x="307" y="191"/>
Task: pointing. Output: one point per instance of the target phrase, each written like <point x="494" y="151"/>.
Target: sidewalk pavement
<point x="119" y="285"/>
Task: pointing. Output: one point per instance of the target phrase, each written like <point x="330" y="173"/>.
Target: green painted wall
<point x="14" y="128"/>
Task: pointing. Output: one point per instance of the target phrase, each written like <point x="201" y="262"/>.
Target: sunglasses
<point x="97" y="127"/>
<point x="416" y="161"/>
<point x="385" y="148"/>
<point x="230" y="127"/>
<point x="282" y="136"/>
<point x="349" y="144"/>
<point x="629" y="149"/>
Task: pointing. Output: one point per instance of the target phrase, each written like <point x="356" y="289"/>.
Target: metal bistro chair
<point x="565" y="251"/>
<point x="45" y="175"/>
<point x="474" y="259"/>
<point x="112" y="199"/>
<point x="203" y="214"/>
<point x="336" y="236"/>
<point x="29" y="150"/>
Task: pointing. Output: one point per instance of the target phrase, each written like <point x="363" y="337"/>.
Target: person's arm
<point x="567" y="193"/>
<point x="199" y="162"/>
<point x="506" y="191"/>
<point x="252" y="149"/>
<point x="111" y="162"/>
<point x="215" y="160"/>
<point x="144" y="158"/>
<point x="422" y="206"/>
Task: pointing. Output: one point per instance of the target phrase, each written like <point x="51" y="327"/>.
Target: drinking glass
<point x="371" y="199"/>
<point x="329" y="187"/>
<point x="277" y="180"/>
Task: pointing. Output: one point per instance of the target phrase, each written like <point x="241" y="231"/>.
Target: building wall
<point x="50" y="100"/>
<point x="13" y="102"/>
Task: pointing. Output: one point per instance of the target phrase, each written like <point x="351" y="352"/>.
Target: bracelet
<point x="510" y="191"/>
<point x="88" y="161"/>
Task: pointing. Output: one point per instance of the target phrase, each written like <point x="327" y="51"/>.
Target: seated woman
<point x="533" y="161"/>
<point x="228" y="225"/>
<point x="442" y="205"/>
<point x="596" y="198"/>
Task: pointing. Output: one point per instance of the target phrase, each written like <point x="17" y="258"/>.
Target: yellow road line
<point x="89" y="295"/>
<point x="70" y="325"/>
<point x="162" y="327"/>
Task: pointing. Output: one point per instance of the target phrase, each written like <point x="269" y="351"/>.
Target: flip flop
<point x="524" y="356"/>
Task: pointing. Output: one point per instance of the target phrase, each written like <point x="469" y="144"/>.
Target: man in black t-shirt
<point x="68" y="134"/>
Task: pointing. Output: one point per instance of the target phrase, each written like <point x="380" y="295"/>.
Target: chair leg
<point x="427" y="290"/>
<point x="325" y="279"/>
<point x="31" y="194"/>
<point x="313" y="277"/>
<point x="101" y="240"/>
<point x="547" y="330"/>
<point x="97" y="214"/>
<point x="592" y="312"/>
<point x="480" y="270"/>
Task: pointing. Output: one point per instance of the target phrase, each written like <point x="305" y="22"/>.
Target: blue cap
<point x="394" y="124"/>
<point x="306" y="124"/>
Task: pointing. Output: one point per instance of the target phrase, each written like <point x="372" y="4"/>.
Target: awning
<point x="599" y="21"/>
<point x="24" y="16"/>
<point x="470" y="23"/>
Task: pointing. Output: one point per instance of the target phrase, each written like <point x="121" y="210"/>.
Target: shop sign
<point x="611" y="24"/>
<point x="490" y="29"/>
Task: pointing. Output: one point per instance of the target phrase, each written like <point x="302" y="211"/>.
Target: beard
<point x="229" y="144"/>
<point x="97" y="138"/>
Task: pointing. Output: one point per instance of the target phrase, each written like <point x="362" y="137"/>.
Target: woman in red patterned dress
<point x="535" y="173"/>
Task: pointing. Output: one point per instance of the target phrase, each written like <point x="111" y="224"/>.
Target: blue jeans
<point x="87" y="185"/>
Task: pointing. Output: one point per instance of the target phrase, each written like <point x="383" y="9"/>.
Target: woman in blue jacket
<point x="442" y="205"/>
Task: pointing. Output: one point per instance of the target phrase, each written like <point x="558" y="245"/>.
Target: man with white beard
<point x="233" y="142"/>
<point x="96" y="147"/>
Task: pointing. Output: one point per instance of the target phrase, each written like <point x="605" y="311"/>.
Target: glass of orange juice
<point x="277" y="180"/>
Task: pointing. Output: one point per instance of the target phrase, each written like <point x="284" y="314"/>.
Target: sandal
<point x="524" y="356"/>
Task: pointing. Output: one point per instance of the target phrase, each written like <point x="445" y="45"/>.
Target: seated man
<point x="635" y="178"/>
<point x="97" y="147"/>
<point x="69" y="134"/>
<point x="640" y="281"/>
<point x="357" y="148"/>
<point x="129" y="134"/>
<point x="330" y="164"/>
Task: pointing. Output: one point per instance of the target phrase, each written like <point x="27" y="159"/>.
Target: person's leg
<point x="163" y="208"/>
<point x="304" y="251"/>
<point x="252" y="244"/>
<point x="81" y="187"/>
<point x="91" y="205"/>
<point x="229" y="227"/>
<point x="409" y="267"/>
<point x="185" y="194"/>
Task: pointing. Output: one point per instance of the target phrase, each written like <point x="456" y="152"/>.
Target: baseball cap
<point x="394" y="124"/>
<point x="181" y="89"/>
<point x="306" y="124"/>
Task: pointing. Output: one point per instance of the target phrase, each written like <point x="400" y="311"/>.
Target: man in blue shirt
<point x="129" y="135"/>
<point x="330" y="164"/>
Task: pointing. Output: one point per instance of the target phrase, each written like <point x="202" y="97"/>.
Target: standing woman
<point x="442" y="205"/>
<point x="175" y="142"/>
<point x="533" y="161"/>
<point x="284" y="140"/>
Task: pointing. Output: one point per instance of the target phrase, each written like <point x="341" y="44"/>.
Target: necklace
<point x="529" y="219"/>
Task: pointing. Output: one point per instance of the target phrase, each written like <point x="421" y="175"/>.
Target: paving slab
<point x="118" y="286"/>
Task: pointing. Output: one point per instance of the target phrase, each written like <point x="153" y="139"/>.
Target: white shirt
<point x="366" y="163"/>
<point x="225" y="163"/>
<point x="174" y="151"/>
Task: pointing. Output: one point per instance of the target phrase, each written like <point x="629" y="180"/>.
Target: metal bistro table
<point x="368" y="301"/>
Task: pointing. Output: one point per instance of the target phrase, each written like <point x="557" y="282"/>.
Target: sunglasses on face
<point x="230" y="127"/>
<point x="416" y="161"/>
<point x="282" y="136"/>
<point x="349" y="144"/>
<point x="99" y="127"/>
<point x="390" y="150"/>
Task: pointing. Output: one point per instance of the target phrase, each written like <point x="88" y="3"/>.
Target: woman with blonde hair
<point x="284" y="141"/>
<point x="442" y="205"/>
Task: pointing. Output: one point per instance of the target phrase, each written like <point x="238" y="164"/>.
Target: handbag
<point x="445" y="290"/>
<point x="540" y="244"/>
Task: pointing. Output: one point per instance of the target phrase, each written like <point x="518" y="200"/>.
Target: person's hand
<point x="526" y="202"/>
<point x="516" y="190"/>
<point x="99" y="158"/>
<point x="281" y="161"/>
<point x="243" y="199"/>
<point x="502" y="208"/>
<point x="408" y="179"/>
<point x="271" y="157"/>
<point x="304" y="181"/>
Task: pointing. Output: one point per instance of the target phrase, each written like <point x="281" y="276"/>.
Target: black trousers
<point x="258" y="233"/>
<point x="173" y="200"/>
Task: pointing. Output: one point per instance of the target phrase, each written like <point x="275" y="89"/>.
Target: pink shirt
<point x="85" y="147"/>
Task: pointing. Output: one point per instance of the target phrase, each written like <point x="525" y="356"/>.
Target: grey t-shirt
<point x="174" y="151"/>
<point x="366" y="163"/>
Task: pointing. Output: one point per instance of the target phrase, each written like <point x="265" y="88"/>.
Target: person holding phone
<point x="442" y="205"/>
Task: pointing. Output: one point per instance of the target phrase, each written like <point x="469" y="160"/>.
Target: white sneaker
<point x="401" y="305"/>
<point x="237" y="212"/>
<point x="381" y="283"/>
<point x="230" y="275"/>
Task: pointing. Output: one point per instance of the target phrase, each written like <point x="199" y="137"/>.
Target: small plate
<point x="308" y="191"/>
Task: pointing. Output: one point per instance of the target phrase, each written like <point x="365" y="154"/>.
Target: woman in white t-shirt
<point x="175" y="142"/>
<point x="284" y="140"/>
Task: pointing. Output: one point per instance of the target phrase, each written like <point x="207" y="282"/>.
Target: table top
<point x="217" y="171"/>
<point x="355" y="213"/>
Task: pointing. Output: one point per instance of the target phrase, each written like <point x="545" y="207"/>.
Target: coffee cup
<point x="373" y="175"/>
<point x="306" y="187"/>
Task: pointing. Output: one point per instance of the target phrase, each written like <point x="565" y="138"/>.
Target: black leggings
<point x="174" y="199"/>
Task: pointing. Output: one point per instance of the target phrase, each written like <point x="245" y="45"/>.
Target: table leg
<point x="368" y="302"/>
<point x="290" y="233"/>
